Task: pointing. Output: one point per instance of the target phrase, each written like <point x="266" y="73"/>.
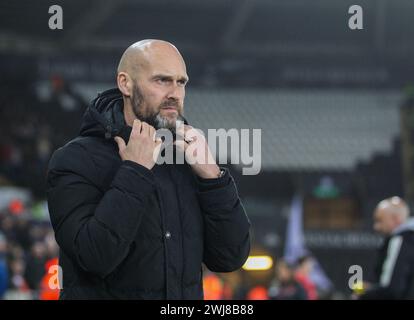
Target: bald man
<point x="128" y="227"/>
<point x="395" y="268"/>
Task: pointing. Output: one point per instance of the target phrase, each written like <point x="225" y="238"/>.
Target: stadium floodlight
<point x="256" y="263"/>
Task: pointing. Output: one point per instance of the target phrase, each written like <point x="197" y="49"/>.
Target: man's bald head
<point x="140" y="54"/>
<point x="389" y="214"/>
<point x="394" y="206"/>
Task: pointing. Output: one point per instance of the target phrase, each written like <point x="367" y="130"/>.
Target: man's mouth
<point x="169" y="108"/>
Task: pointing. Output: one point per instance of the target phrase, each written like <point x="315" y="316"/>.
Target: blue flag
<point x="295" y="247"/>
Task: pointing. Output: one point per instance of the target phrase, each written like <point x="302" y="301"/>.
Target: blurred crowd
<point x="27" y="250"/>
<point x="32" y="126"/>
<point x="290" y="281"/>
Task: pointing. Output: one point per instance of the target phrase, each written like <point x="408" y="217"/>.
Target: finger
<point x="191" y="135"/>
<point x="120" y="142"/>
<point x="155" y="137"/>
<point x="152" y="132"/>
<point x="190" y="139"/>
<point x="136" y="128"/>
<point x="157" y="150"/>
<point x="190" y="131"/>
<point x="145" y="129"/>
<point x="181" y="130"/>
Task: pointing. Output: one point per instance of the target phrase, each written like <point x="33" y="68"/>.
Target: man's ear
<point x="124" y="83"/>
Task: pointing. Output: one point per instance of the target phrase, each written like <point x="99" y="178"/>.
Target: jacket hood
<point x="104" y="117"/>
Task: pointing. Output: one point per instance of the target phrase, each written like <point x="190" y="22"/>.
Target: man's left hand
<point x="197" y="152"/>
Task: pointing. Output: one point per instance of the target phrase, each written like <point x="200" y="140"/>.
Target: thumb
<point x="120" y="142"/>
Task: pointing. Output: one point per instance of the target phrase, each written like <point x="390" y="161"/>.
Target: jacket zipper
<point x="181" y="227"/>
<point x="163" y="238"/>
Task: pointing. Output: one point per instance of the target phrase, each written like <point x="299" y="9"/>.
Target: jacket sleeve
<point x="394" y="274"/>
<point x="95" y="228"/>
<point x="226" y="227"/>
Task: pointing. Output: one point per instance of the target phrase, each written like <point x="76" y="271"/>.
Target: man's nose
<point x="175" y="92"/>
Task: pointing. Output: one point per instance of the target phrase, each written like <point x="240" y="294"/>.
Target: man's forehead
<point x="167" y="57"/>
<point x="166" y="67"/>
<point x="379" y="213"/>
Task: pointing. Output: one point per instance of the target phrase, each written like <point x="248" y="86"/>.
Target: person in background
<point x="257" y="293"/>
<point x="50" y="284"/>
<point x="17" y="282"/>
<point x="394" y="273"/>
<point x="302" y="275"/>
<point x="213" y="286"/>
<point x="35" y="265"/>
<point x="4" y="277"/>
<point x="286" y="287"/>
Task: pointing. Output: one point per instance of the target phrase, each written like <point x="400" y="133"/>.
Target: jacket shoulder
<point x="74" y="156"/>
<point x="95" y="159"/>
<point x="407" y="236"/>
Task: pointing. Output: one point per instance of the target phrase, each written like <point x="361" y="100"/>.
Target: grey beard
<point x="155" y="120"/>
<point x="164" y="123"/>
<point x="159" y="122"/>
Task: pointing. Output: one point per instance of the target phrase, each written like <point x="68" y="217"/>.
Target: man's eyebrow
<point x="166" y="76"/>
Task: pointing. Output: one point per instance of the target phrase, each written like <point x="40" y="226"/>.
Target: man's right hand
<point x="142" y="147"/>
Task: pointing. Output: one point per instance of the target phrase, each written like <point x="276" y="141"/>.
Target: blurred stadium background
<point x="334" y="105"/>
